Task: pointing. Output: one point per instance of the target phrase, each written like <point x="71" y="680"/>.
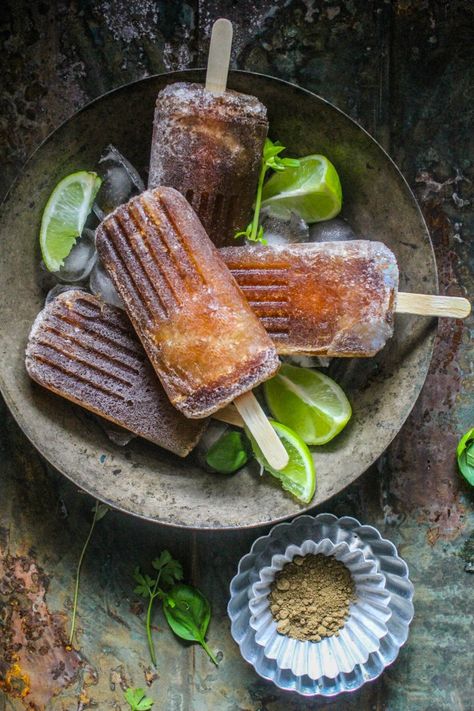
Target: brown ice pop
<point x="209" y="147"/>
<point x="87" y="352"/>
<point x="200" y="334"/>
<point x="328" y="299"/>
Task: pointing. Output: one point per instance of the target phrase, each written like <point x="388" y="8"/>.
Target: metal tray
<point x="142" y="479"/>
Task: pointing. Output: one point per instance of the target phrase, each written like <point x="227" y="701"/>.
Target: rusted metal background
<point x="404" y="70"/>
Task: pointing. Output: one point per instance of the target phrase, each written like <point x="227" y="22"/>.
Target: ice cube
<point x="60" y="289"/>
<point x="80" y="260"/>
<point x="100" y="214"/>
<point x="304" y="361"/>
<point x="101" y="285"/>
<point x="47" y="280"/>
<point x="336" y="230"/>
<point x="121" y="181"/>
<point x="278" y="231"/>
<point x="116" y="434"/>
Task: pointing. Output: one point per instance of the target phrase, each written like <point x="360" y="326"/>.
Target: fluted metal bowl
<point x="377" y="625"/>
<point x="147" y="481"/>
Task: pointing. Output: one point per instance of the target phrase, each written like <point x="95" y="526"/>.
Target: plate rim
<point x="5" y="390"/>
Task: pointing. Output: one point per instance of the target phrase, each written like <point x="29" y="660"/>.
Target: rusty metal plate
<point x="142" y="479"/>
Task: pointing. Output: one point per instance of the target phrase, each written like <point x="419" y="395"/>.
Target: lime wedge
<point x="312" y="190"/>
<point x="309" y="402"/>
<point x="299" y="475"/>
<point x="65" y="215"/>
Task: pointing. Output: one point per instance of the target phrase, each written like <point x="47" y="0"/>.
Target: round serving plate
<point x="140" y="478"/>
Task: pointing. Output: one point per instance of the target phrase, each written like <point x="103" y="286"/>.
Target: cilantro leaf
<point x="145" y="583"/>
<point x="164" y="558"/>
<point x="138" y="700"/>
<point x="171" y="573"/>
<point x="168" y="573"/>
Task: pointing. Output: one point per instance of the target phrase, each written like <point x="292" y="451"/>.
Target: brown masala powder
<point x="310" y="597"/>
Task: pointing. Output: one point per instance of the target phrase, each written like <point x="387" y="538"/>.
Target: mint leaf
<point x="270" y="161"/>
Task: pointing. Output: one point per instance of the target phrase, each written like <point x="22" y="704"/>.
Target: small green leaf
<point x="271" y="149"/>
<point x="137" y="700"/>
<point x="100" y="511"/>
<point x="137" y="575"/>
<point x="163" y="559"/>
<point x="270" y="161"/>
<point x="465" y="456"/>
<point x="144" y="583"/>
<point x="172" y="572"/>
<point x="228" y="454"/>
<point x="190" y="615"/>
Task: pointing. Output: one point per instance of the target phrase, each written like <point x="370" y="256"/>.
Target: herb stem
<point x="78" y="573"/>
<point x="211" y="655"/>
<point x="258" y="201"/>
<point x="153" y="595"/>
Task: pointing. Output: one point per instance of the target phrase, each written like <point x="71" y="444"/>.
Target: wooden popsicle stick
<point x="219" y="56"/>
<point x="432" y="305"/>
<point x="247" y="405"/>
<point x="260" y="427"/>
<point x="230" y="415"/>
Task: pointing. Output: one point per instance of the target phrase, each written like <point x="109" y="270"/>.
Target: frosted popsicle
<point x="328" y="298"/>
<point x="200" y="334"/>
<point x="87" y="352"/>
<point x="209" y="147"/>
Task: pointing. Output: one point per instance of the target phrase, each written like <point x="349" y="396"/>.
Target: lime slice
<point x="312" y="190"/>
<point x="309" y="402"/>
<point x="299" y="475"/>
<point x="65" y="215"/>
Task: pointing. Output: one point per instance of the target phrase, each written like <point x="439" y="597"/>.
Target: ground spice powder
<point x="310" y="597"/>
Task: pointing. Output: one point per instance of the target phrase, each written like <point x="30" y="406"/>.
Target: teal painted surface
<point x="404" y="70"/>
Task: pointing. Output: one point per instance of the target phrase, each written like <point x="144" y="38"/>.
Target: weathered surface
<point x="404" y="70"/>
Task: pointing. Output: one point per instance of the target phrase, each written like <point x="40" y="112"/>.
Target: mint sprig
<point x="270" y="161"/>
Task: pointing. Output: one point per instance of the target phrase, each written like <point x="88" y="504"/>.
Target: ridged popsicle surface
<point x="209" y="148"/>
<point x="203" y="339"/>
<point x="327" y="298"/>
<point x="87" y="352"/>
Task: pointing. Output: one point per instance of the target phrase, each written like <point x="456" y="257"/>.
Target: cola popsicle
<point x="209" y="147"/>
<point x="328" y="298"/>
<point x="201" y="336"/>
<point x="87" y="352"/>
